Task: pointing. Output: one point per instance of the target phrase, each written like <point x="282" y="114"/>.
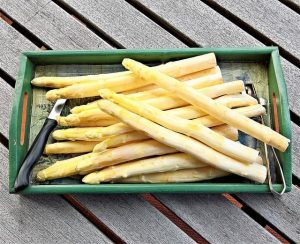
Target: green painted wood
<point x="152" y="55"/>
<point x="6" y="94"/>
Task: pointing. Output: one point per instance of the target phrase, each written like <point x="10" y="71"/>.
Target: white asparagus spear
<point x="230" y="101"/>
<point x="100" y="133"/>
<point x="121" y="154"/>
<point x="198" y="83"/>
<point x="171" y="162"/>
<point x="129" y="81"/>
<point x="59" y="82"/>
<point x="249" y="111"/>
<point x="214" y="73"/>
<point x="184" y="126"/>
<point x="180" y="176"/>
<point x="183" y="143"/>
<point x="208" y="105"/>
<point x="207" y="72"/>
<point x="77" y="134"/>
<point x="162" y="102"/>
<point x="117" y="140"/>
<point x="70" y="147"/>
<point x="109" y="157"/>
<point x="61" y="169"/>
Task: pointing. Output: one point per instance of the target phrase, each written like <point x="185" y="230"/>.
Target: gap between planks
<point x="252" y="31"/>
<point x="92" y="27"/>
<point x="262" y="221"/>
<point x="163" y="23"/>
<point x="21" y="29"/>
<point x="292" y="5"/>
<point x="174" y="218"/>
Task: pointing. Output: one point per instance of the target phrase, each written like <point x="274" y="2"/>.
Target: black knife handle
<point x="34" y="153"/>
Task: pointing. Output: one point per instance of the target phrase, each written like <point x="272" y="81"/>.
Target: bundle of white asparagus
<point x="176" y="122"/>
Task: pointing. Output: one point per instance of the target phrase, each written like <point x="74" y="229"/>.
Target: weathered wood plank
<point x="40" y="219"/>
<point x="271" y="18"/>
<point x="52" y="24"/>
<point x="6" y="92"/>
<point x="152" y="228"/>
<point x="12" y="44"/>
<point x="296" y="149"/>
<point x="208" y="28"/>
<point x="216" y="219"/>
<point x="283" y="212"/>
<point x="125" y="24"/>
<point x="135" y="220"/>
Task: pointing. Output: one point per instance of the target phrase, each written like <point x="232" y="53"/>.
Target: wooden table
<point x="148" y="218"/>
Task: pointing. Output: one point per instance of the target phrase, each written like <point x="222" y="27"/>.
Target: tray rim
<point x="31" y="58"/>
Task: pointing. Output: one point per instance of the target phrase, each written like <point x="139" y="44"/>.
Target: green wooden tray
<point x="261" y="65"/>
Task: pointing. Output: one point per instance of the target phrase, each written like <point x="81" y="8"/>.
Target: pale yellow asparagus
<point x="75" y="134"/>
<point x="70" y="147"/>
<point x="212" y="71"/>
<point x="249" y="111"/>
<point x="171" y="162"/>
<point x="109" y="157"/>
<point x="92" y="112"/>
<point x="162" y="102"/>
<point x="99" y="133"/>
<point x="183" y="143"/>
<point x="214" y="74"/>
<point x="61" y="169"/>
<point x="227" y="131"/>
<point x="184" y="126"/>
<point x="124" y="153"/>
<point x="230" y="101"/>
<point x="117" y="140"/>
<point x="183" y="175"/>
<point x="197" y="83"/>
<point x="187" y="112"/>
<point x="208" y="105"/>
<point x="129" y="81"/>
<point x="59" y="82"/>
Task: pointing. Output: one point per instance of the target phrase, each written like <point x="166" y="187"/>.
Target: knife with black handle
<point x="37" y="147"/>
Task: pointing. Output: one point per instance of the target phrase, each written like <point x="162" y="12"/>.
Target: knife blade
<point x="38" y="145"/>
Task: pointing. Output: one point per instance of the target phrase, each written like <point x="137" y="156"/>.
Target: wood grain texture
<point x="12" y="44"/>
<point x="40" y="219"/>
<point x="283" y="212"/>
<point x="216" y="219"/>
<point x="52" y="25"/>
<point x="296" y="149"/>
<point x="210" y="29"/>
<point x="6" y="95"/>
<point x="133" y="219"/>
<point x="125" y="24"/>
<point x="271" y="18"/>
